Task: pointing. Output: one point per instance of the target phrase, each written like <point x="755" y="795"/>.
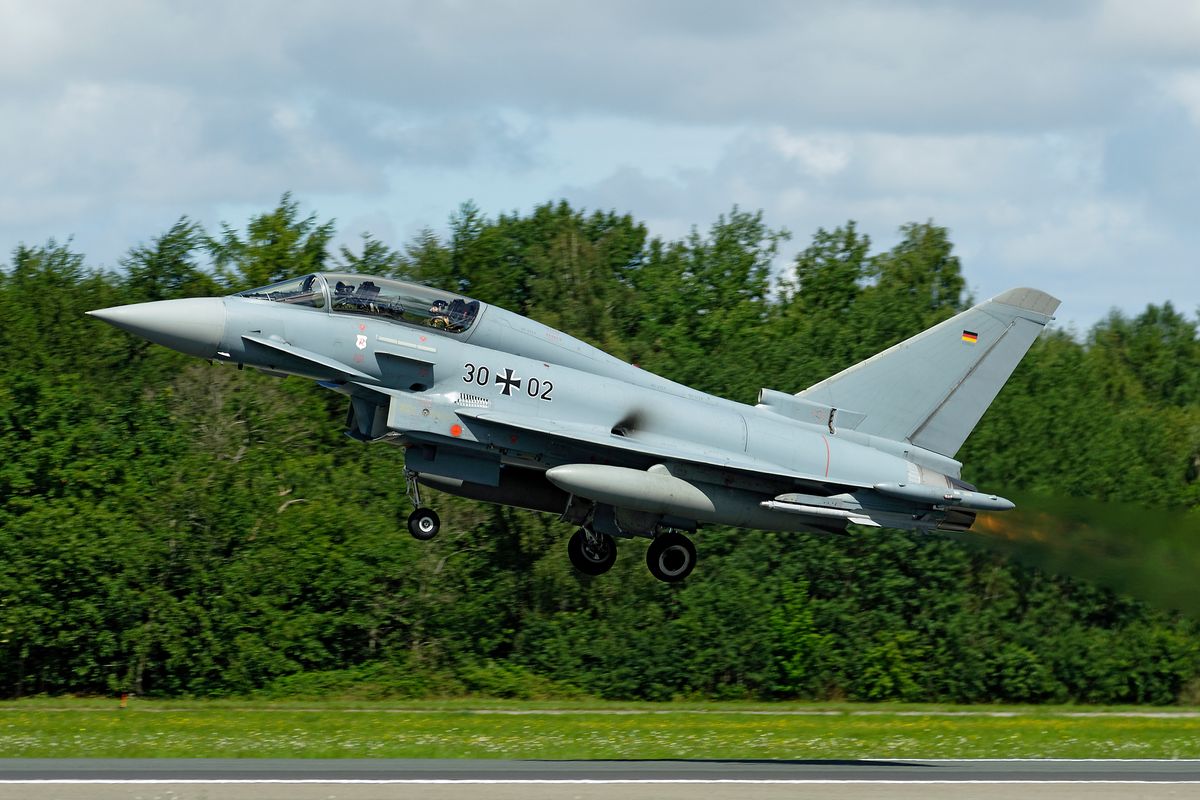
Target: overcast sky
<point x="1059" y="142"/>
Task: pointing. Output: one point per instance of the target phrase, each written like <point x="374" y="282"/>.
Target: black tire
<point x="591" y="558"/>
<point x="424" y="524"/>
<point x="671" y="557"/>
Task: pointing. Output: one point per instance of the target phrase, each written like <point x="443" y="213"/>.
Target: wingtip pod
<point x="1028" y="299"/>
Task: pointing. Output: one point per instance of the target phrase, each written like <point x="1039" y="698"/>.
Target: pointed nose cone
<point x="193" y="325"/>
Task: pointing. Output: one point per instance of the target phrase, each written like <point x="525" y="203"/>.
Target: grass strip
<point x="55" y="729"/>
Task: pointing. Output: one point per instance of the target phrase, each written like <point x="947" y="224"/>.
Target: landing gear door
<point x="453" y="463"/>
<point x="366" y="420"/>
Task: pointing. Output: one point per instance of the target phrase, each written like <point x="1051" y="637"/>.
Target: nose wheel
<point x="423" y="523"/>
<point x="671" y="557"/>
<point x="590" y="552"/>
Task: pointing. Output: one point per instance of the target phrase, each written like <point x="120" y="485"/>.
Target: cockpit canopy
<point x="347" y="293"/>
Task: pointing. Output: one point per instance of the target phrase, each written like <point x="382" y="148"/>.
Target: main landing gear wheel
<point x="424" y="524"/>
<point x="671" y="557"/>
<point x="592" y="553"/>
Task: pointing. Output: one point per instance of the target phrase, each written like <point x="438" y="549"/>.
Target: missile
<point x="858" y="518"/>
<point x="852" y="508"/>
<point x="849" y="507"/>
<point x="943" y="496"/>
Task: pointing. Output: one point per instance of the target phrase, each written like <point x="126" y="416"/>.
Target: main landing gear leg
<point x="590" y="552"/>
<point x="671" y="556"/>
<point x="423" y="523"/>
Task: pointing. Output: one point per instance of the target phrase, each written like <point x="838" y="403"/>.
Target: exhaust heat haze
<point x="1151" y="555"/>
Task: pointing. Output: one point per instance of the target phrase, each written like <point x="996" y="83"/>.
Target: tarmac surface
<point x="359" y="779"/>
<point x="338" y="769"/>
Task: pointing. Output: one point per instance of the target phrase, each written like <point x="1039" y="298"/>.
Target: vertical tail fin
<point x="932" y="389"/>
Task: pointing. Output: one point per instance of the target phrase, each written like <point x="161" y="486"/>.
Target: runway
<point x="358" y="779"/>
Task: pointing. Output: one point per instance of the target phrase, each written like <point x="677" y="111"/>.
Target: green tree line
<point x="176" y="528"/>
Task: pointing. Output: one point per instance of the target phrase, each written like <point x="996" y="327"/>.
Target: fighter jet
<point x="493" y="406"/>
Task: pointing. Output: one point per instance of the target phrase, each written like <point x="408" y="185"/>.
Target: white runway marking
<point x="1008" y="762"/>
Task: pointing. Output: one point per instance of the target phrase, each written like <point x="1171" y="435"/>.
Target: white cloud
<point x="1084" y="236"/>
<point x="1183" y="88"/>
<point x="147" y="143"/>
<point x="820" y="156"/>
<point x="1054" y="139"/>
<point x="919" y="66"/>
<point x="1022" y="209"/>
<point x="1163" y="30"/>
<point x="28" y="34"/>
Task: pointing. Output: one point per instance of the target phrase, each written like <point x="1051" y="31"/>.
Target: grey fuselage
<point x="510" y="392"/>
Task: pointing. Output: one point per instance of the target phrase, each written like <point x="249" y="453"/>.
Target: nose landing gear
<point x="423" y="523"/>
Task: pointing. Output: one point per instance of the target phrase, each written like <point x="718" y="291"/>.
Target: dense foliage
<point x="172" y="527"/>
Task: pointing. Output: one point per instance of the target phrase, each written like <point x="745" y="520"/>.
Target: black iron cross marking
<point x="509" y="382"/>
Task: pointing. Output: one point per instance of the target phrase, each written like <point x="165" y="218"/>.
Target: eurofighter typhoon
<point x="494" y="406"/>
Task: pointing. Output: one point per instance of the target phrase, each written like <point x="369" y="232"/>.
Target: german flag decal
<point x="970" y="337"/>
